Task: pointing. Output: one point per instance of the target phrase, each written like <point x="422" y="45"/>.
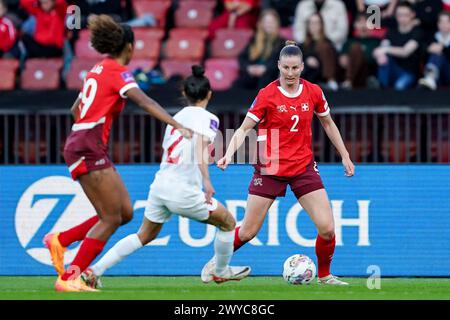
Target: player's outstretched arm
<point x="236" y="141"/>
<point x="154" y="109"/>
<point x="333" y="133"/>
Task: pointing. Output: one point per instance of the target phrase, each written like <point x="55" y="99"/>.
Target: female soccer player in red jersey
<point x="284" y="111"/>
<point x="102" y="99"/>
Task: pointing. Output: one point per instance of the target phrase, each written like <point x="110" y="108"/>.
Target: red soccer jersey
<point x="284" y="131"/>
<point x="103" y="96"/>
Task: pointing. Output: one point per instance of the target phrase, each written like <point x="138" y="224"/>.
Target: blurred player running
<point x="102" y="99"/>
<point x="177" y="188"/>
<point x="284" y="111"/>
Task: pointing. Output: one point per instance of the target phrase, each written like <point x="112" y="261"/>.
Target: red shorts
<point x="84" y="152"/>
<point x="273" y="186"/>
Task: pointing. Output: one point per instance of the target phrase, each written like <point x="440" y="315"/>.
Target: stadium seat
<point x="185" y="46"/>
<point x="8" y="69"/>
<point x="193" y="14"/>
<point x="147" y="43"/>
<point x="83" y="48"/>
<point x="78" y="70"/>
<point x="211" y="3"/>
<point x="158" y="9"/>
<point x="181" y="68"/>
<point x="221" y="73"/>
<point x="41" y="74"/>
<point x="228" y="43"/>
<point x="188" y="32"/>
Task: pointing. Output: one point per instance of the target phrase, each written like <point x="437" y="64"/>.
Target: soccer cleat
<point x="207" y="270"/>
<point x="76" y="285"/>
<point x="90" y="279"/>
<point x="232" y="274"/>
<point x="56" y="251"/>
<point x="331" y="280"/>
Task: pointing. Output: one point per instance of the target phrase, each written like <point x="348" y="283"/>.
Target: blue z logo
<point x="63" y="201"/>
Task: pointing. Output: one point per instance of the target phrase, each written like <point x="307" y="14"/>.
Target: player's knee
<point x="327" y="233"/>
<point x="229" y="224"/>
<point x="113" y="221"/>
<point x="127" y="214"/>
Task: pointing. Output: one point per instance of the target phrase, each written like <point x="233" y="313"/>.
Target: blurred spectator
<point x="240" y="14"/>
<point x="437" y="69"/>
<point x="356" y="56"/>
<point x="387" y="6"/>
<point x="48" y="38"/>
<point x="285" y="9"/>
<point x="398" y="56"/>
<point x="333" y="13"/>
<point x="319" y="55"/>
<point x="258" y="61"/>
<point x="112" y="8"/>
<point x="427" y="12"/>
<point x="446" y="5"/>
<point x="8" y="34"/>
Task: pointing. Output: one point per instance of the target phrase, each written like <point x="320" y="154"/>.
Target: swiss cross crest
<point x="282" y="108"/>
<point x="305" y="107"/>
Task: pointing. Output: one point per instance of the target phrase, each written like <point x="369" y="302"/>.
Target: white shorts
<point x="185" y="201"/>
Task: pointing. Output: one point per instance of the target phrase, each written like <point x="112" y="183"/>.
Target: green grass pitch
<point x="252" y="288"/>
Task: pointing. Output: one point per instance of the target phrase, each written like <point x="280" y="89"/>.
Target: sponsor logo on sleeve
<point x="214" y="125"/>
<point x="127" y="76"/>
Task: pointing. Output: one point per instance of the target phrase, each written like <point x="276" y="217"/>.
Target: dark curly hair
<point x="108" y="36"/>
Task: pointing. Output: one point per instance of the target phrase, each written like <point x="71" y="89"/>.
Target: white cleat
<point x="207" y="270"/>
<point x="331" y="280"/>
<point x="232" y="274"/>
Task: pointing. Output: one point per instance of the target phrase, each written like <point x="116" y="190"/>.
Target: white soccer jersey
<point x="179" y="161"/>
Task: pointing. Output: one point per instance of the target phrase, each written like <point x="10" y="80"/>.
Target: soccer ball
<point x="299" y="269"/>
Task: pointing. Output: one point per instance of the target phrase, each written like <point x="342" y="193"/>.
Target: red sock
<point x="77" y="233"/>
<point x="324" y="252"/>
<point x="237" y="241"/>
<point x="89" y="250"/>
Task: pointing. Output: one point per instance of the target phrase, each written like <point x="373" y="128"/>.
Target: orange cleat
<point x="56" y="251"/>
<point x="76" y="285"/>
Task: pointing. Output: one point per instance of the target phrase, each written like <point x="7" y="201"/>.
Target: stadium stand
<point x="221" y="73"/>
<point x="157" y="8"/>
<point x="78" y="70"/>
<point x="194" y="14"/>
<point x="228" y="43"/>
<point x="41" y="74"/>
<point x="8" y="70"/>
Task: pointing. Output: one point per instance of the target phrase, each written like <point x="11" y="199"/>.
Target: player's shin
<point x="77" y="233"/>
<point x="237" y="241"/>
<point x="223" y="247"/>
<point x="324" y="252"/>
<point x="117" y="253"/>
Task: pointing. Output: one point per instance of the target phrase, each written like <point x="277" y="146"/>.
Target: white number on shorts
<point x="88" y="96"/>
<point x="296" y="118"/>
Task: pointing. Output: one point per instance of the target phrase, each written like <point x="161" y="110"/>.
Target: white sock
<point x="121" y="249"/>
<point x="223" y="247"/>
